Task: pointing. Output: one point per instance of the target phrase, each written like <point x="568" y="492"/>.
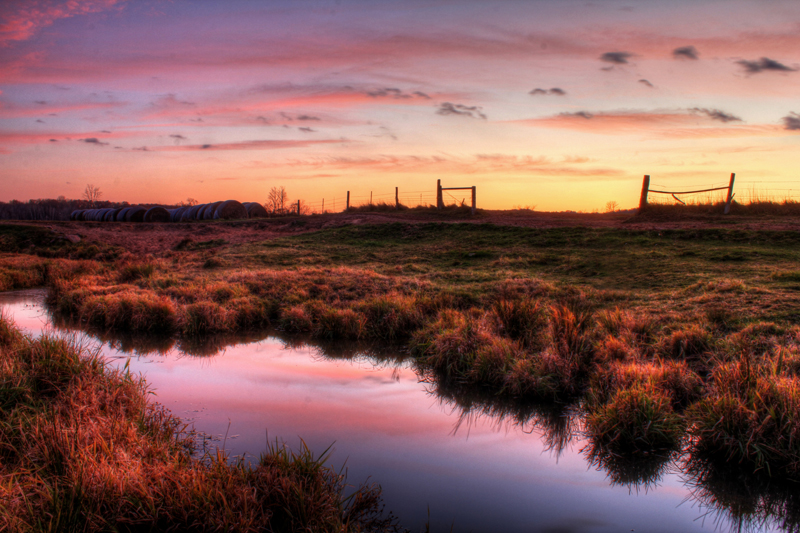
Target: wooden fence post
<point x="348" y="202"/>
<point x="645" y="189"/>
<point x="439" y="200"/>
<point x="396" y="198"/>
<point x="298" y="207"/>
<point x="473" y="199"/>
<point x="730" y="194"/>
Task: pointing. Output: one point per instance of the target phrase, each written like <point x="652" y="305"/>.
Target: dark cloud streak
<point x="686" y="52"/>
<point x="557" y="91"/>
<point x="617" y="58"/>
<point x="716" y="114"/>
<point x="449" y="108"/>
<point x="762" y="65"/>
<point x="791" y="122"/>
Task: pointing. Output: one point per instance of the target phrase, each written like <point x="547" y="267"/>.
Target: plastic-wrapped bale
<point x="230" y="209"/>
<point x="135" y="214"/>
<point x="172" y="213"/>
<point x="90" y="214"/>
<point x="103" y="215"/>
<point x="112" y="216"/>
<point x="185" y="214"/>
<point x="75" y="215"/>
<point x="120" y="216"/>
<point x="255" y="210"/>
<point x="156" y="214"/>
<point x="208" y="212"/>
<point x="196" y="209"/>
<point x="178" y="215"/>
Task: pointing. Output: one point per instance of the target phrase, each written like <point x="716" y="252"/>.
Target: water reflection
<point x="485" y="459"/>
<point x="746" y="500"/>
<point x="559" y="425"/>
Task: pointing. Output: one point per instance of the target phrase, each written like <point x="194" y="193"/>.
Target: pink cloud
<point x="21" y="19"/>
<point x="244" y="145"/>
<point x="7" y="111"/>
<point x="670" y="124"/>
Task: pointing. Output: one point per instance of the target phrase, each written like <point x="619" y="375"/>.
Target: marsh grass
<point x="84" y="449"/>
<point x="521" y="313"/>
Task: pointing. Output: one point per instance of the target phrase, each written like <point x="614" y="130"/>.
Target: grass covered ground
<point x="667" y="340"/>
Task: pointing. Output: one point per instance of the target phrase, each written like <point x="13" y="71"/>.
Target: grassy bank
<point x="84" y="449"/>
<point x="668" y="339"/>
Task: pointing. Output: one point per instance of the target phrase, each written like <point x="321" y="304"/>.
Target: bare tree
<point x="611" y="206"/>
<point x="188" y="202"/>
<point x="278" y="200"/>
<point x="92" y="194"/>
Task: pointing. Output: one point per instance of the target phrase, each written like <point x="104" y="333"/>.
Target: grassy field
<point x="666" y="340"/>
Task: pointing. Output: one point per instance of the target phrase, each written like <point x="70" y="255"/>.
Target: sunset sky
<point x="556" y="104"/>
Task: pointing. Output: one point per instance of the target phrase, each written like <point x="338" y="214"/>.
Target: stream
<point x="442" y="457"/>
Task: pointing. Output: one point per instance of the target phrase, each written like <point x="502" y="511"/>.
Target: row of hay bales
<point x="229" y="209"/>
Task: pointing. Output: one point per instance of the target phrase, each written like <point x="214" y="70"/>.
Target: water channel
<point x="455" y="461"/>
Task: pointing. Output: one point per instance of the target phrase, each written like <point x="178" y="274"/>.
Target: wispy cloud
<point x="646" y="83"/>
<point x="763" y="65"/>
<point x="449" y="108"/>
<point x="244" y="145"/>
<point x="478" y="164"/>
<point x="663" y="124"/>
<point x="686" y="52"/>
<point x="716" y="114"/>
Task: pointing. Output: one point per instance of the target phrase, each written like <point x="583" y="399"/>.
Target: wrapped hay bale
<point x="156" y="214"/>
<point x="185" y="215"/>
<point x="120" y="217"/>
<point x="103" y="215"/>
<point x="75" y="215"/>
<point x="135" y="214"/>
<point x="230" y="209"/>
<point x="194" y="210"/>
<point x="208" y="212"/>
<point x="255" y="210"/>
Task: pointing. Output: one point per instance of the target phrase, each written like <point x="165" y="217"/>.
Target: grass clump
<point x="83" y="449"/>
<point x="752" y="418"/>
<point x="636" y="418"/>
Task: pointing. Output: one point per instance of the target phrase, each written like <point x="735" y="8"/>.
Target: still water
<point x="454" y="461"/>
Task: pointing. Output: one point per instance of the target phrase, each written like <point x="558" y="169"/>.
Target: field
<point x="670" y="334"/>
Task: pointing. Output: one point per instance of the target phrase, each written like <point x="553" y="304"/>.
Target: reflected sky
<point x="386" y="426"/>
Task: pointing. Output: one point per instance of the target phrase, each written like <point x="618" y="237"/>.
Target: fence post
<point x="645" y="189"/>
<point x="298" y="207"/>
<point x="730" y="194"/>
<point x="348" y="202"/>
<point x="370" y="198"/>
<point x="396" y="199"/>
<point x="439" y="194"/>
<point x="323" y="206"/>
<point x="473" y="199"/>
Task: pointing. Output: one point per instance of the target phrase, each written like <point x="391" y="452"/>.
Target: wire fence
<point x="337" y="204"/>
<point x="746" y="191"/>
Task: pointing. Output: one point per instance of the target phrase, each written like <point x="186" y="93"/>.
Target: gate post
<point x="645" y="190"/>
<point x="730" y="194"/>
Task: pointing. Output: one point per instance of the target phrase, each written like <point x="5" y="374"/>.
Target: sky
<point x="547" y="104"/>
